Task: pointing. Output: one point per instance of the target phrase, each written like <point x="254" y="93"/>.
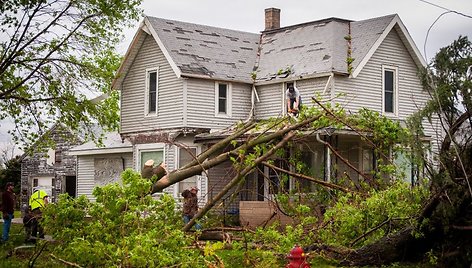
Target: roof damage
<point x="309" y="49"/>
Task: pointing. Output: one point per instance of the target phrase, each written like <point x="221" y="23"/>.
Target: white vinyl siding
<point x="273" y="101"/>
<point x="170" y="96"/>
<point x="365" y="91"/>
<point x="201" y="104"/>
<point x="86" y="171"/>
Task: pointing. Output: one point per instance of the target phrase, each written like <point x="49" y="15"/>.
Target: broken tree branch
<point x="301" y="176"/>
<point x="183" y="173"/>
<point x="237" y="179"/>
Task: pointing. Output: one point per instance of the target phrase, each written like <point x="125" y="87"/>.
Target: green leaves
<point x="125" y="226"/>
<point x="55" y="60"/>
<point x="352" y="217"/>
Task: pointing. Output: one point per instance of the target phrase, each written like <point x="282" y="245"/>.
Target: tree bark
<point x="203" y="163"/>
<point x="241" y="175"/>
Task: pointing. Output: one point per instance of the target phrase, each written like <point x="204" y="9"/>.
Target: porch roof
<point x="112" y="143"/>
<point x="223" y="133"/>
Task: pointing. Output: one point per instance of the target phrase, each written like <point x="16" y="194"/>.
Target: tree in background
<point x="11" y="171"/>
<point x="55" y="56"/>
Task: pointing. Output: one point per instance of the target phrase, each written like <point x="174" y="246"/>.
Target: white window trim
<point x="148" y="148"/>
<point x="176" y="165"/>
<point x="395" y="90"/>
<point x="146" y="93"/>
<point x="229" y="94"/>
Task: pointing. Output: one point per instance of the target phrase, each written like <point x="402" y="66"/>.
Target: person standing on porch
<point x="190" y="208"/>
<point x="8" y="207"/>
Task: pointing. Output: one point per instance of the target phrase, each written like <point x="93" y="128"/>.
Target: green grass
<point x="17" y="214"/>
<point x="9" y="257"/>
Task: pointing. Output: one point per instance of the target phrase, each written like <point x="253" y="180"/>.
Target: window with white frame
<point x="151" y="92"/>
<point x="145" y="152"/>
<point x="222" y="99"/>
<point x="390" y="89"/>
<point x="186" y="155"/>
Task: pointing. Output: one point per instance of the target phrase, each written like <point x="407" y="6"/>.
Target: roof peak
<point x="197" y="24"/>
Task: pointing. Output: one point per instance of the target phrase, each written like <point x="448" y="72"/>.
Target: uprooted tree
<point x="376" y="221"/>
<point x="443" y="224"/>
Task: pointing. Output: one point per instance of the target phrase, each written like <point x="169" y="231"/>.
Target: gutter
<point x="96" y="151"/>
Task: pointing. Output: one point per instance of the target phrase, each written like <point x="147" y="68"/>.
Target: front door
<point x="71" y="186"/>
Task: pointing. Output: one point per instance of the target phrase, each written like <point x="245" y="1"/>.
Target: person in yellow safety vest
<point x="37" y="201"/>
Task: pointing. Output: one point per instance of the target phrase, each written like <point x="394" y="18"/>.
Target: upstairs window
<point x="151" y="92"/>
<point x="58" y="157"/>
<point x="390" y="90"/>
<point x="222" y="99"/>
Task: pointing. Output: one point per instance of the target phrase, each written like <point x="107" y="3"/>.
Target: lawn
<point x="9" y="257"/>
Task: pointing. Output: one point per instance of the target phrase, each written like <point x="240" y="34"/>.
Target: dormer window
<point x="390" y="90"/>
<point x="151" y="92"/>
<point x="222" y="99"/>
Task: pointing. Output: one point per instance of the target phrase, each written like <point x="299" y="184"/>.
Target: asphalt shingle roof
<point x="301" y="50"/>
<point x="305" y="49"/>
<point x="208" y="51"/>
<point x="364" y="34"/>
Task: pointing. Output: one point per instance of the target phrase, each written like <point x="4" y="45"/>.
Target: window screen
<point x="186" y="155"/>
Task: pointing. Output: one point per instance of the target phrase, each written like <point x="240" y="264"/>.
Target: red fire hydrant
<point x="297" y="258"/>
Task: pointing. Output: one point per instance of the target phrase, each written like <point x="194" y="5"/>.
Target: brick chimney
<point x="272" y="18"/>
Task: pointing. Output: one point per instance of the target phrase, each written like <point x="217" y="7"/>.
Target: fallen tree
<point x="442" y="229"/>
<point x="448" y="212"/>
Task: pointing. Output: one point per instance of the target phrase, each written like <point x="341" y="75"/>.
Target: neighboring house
<point x="99" y="165"/>
<point x="51" y="169"/>
<point x="182" y="82"/>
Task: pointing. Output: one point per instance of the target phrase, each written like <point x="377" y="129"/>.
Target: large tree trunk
<point x="205" y="161"/>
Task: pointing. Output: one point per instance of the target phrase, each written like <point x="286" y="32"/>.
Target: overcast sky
<point x="248" y="15"/>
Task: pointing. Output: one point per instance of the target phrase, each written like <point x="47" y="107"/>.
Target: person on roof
<point x="294" y="100"/>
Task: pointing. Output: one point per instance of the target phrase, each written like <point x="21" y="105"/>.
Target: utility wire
<point x="442" y="14"/>
<point x="447" y="9"/>
<point x="429" y="29"/>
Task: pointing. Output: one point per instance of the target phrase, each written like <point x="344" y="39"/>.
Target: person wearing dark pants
<point x="8" y="207"/>
<point x="37" y="202"/>
<point x="190" y="208"/>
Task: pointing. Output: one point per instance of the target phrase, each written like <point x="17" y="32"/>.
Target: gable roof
<point x="200" y="51"/>
<point x="303" y="50"/>
<point x="367" y="35"/>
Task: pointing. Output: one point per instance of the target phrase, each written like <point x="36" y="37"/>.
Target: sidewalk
<point x="15" y="220"/>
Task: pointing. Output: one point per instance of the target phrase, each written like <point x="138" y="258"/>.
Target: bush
<point x="124" y="227"/>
